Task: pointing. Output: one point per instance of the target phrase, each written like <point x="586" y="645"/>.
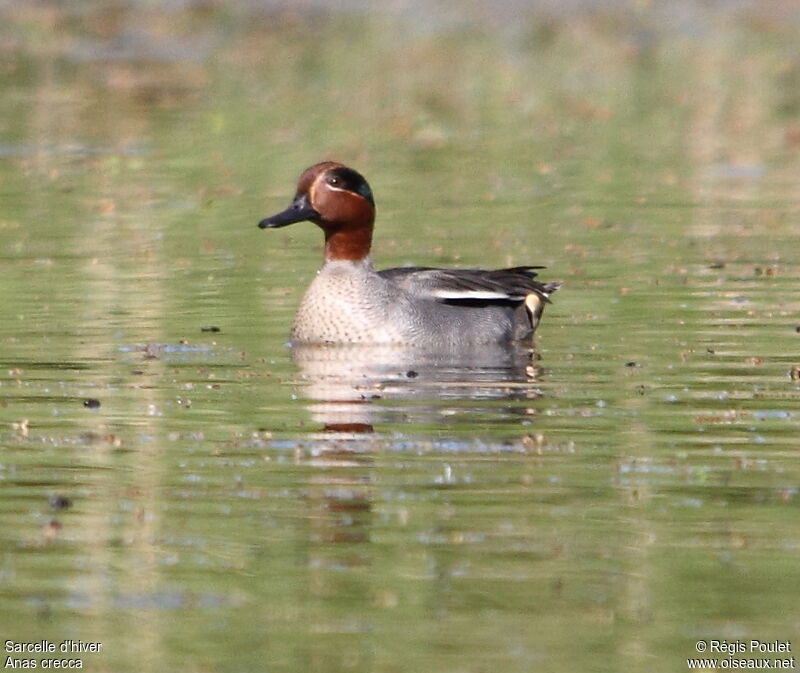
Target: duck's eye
<point x="334" y="181"/>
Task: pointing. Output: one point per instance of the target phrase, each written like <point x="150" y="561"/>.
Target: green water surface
<point x="177" y="488"/>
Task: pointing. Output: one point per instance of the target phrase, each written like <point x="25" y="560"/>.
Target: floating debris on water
<point x="58" y="502"/>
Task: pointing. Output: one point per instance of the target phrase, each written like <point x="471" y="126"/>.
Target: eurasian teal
<point x="349" y="302"/>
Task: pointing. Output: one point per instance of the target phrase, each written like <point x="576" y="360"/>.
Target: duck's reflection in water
<point x="351" y="388"/>
<point x="351" y="391"/>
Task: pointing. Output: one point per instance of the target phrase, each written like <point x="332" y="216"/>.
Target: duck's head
<point x="338" y="200"/>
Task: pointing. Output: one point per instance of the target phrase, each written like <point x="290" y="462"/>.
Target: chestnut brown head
<point x="328" y="194"/>
<point x="337" y="199"/>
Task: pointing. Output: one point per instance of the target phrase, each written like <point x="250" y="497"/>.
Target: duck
<point x="349" y="302"/>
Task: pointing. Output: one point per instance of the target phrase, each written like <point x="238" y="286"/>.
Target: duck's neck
<point x="348" y="243"/>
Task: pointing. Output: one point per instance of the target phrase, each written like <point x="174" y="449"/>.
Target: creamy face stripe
<point x="343" y="179"/>
<point x="313" y="189"/>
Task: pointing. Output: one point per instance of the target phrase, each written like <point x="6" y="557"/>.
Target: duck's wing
<point x="471" y="285"/>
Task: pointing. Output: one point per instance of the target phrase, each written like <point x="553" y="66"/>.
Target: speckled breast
<point x="348" y="303"/>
